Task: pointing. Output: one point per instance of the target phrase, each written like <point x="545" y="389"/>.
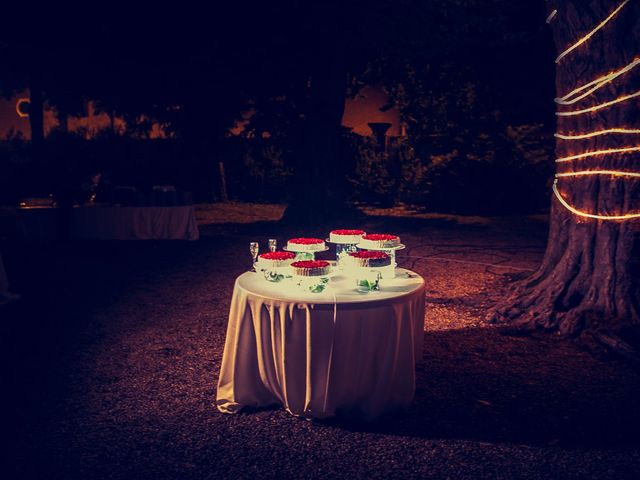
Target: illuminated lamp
<point x="22" y="107"/>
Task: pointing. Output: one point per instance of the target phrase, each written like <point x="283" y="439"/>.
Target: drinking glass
<point x="273" y="244"/>
<point x="254" y="248"/>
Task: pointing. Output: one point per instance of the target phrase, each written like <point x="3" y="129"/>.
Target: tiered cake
<point x="311" y="268"/>
<point x="369" y="259"/>
<point x="350" y="237"/>
<point x="306" y="245"/>
<point x="271" y="260"/>
<point x="379" y="240"/>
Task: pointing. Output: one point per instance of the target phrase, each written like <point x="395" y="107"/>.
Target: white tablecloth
<point x="318" y="355"/>
<point x="134" y="223"/>
<point x="110" y="223"/>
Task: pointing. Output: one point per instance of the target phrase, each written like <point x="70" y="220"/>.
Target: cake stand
<point x="317" y="283"/>
<point x="343" y="249"/>
<point x="305" y="254"/>
<point x="391" y="251"/>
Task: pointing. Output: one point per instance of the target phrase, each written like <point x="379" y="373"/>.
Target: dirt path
<point x="111" y="363"/>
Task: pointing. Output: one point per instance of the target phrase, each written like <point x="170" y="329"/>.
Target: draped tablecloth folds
<point x="339" y="352"/>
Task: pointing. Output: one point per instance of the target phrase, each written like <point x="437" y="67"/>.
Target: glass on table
<point x="254" y="248"/>
<point x="273" y="244"/>
<point x="342" y="251"/>
<point x="367" y="280"/>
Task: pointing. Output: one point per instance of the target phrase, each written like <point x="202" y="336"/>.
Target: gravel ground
<point x="111" y="360"/>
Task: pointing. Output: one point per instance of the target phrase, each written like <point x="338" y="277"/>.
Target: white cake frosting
<point x="306" y="245"/>
<point x="350" y="237"/>
<point x="377" y="240"/>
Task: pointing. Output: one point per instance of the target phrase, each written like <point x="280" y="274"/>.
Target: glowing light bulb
<point x="608" y="151"/>
<point x="592" y="32"/>
<point x="581" y="136"/>
<point x="595" y="84"/>
<point x="600" y="106"/>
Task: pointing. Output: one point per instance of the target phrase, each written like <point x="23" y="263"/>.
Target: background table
<point x="38" y="223"/>
<point x="134" y="223"/>
<point x="109" y="223"/>
<point x="318" y="355"/>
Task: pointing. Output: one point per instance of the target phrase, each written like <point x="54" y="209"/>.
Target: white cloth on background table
<point x="318" y="355"/>
<point x="110" y="223"/>
<point x="134" y="223"/>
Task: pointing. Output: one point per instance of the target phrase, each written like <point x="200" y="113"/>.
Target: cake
<point x="346" y="236"/>
<point x="270" y="260"/>
<point x="379" y="240"/>
<point x="311" y="268"/>
<point x="306" y="245"/>
<point x="369" y="259"/>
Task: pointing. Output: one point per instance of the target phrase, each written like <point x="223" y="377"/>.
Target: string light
<point x="613" y="173"/>
<point x="582" y="136"/>
<point x="596" y="84"/>
<point x="575" y="96"/>
<point x="623" y="98"/>
<point x="608" y="151"/>
<point x="592" y="32"/>
<point x="580" y="213"/>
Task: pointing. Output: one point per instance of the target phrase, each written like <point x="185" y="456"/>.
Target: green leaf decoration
<point x="369" y="286"/>
<point x="273" y="276"/>
<point x="317" y="288"/>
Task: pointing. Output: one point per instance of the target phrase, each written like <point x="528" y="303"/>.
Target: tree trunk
<point x="36" y="115"/>
<point x="223" y="182"/>
<point x="63" y="119"/>
<point x="319" y="185"/>
<point x="588" y="281"/>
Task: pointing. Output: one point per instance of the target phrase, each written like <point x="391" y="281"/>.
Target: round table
<point x="338" y="352"/>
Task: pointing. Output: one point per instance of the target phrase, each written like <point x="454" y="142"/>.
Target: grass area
<point x="237" y="212"/>
<point x="409" y="211"/>
<point x="242" y="213"/>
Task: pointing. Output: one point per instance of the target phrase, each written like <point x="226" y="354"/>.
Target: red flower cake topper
<point x="306" y="241"/>
<point x="369" y="254"/>
<point x="348" y="232"/>
<point x="310" y="264"/>
<point x="278" y="255"/>
<point x="380" y="236"/>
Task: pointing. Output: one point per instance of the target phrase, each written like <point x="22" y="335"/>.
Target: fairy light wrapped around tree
<point x="588" y="280"/>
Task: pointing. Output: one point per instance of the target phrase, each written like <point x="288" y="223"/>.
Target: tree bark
<point x="63" y="119"/>
<point x="318" y="192"/>
<point x="36" y="114"/>
<point x="587" y="284"/>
